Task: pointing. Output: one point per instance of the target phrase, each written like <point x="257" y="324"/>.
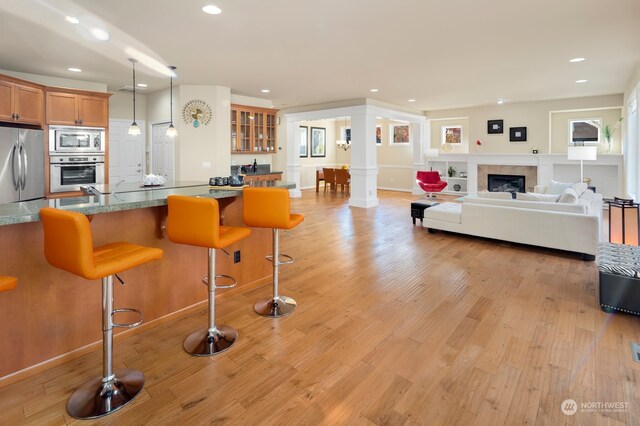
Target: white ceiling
<point x="444" y="54"/>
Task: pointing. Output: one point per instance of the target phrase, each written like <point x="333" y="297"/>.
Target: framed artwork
<point x="304" y="141"/>
<point x="318" y="142"/>
<point x="451" y="135"/>
<point x="517" y="134"/>
<point x="378" y="135"/>
<point x="400" y="134"/>
<point x="347" y="134"/>
<point x="495" y="127"/>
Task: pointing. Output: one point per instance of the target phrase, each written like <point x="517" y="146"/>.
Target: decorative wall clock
<point x="196" y="111"/>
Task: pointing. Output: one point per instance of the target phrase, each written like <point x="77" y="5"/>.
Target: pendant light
<point x="134" y="129"/>
<point x="171" y="131"/>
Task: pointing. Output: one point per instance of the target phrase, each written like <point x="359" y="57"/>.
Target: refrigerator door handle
<point x="16" y="178"/>
<point x="23" y="156"/>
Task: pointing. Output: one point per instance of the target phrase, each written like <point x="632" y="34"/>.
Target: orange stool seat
<point x="196" y="222"/>
<point x="68" y="245"/>
<point x="7" y="283"/>
<point x="270" y="208"/>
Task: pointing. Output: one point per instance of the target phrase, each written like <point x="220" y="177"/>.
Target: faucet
<point x="113" y="191"/>
<point x="89" y="190"/>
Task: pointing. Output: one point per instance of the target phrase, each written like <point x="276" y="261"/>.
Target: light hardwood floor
<point x="394" y="326"/>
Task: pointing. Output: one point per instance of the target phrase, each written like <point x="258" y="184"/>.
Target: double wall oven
<point x="76" y="157"/>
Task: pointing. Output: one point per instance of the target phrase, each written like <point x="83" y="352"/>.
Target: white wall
<point x="532" y="115"/>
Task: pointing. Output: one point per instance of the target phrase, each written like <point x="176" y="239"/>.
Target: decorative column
<point x="421" y="139"/>
<point x="292" y="169"/>
<point x="364" y="163"/>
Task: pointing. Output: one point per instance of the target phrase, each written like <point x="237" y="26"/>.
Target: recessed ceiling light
<point x="411" y="100"/>
<point x="581" y="81"/>
<point x="374" y="90"/>
<point x="265" y="90"/>
<point x="142" y="85"/>
<point x="72" y="69"/>
<point x="100" y="34"/>
<point x="211" y="9"/>
<point x="500" y="102"/>
<point x="72" y="19"/>
<point x="577" y="59"/>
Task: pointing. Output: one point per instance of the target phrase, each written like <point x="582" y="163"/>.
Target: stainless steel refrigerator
<point x="21" y="164"/>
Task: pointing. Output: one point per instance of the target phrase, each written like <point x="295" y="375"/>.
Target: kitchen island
<point x="53" y="313"/>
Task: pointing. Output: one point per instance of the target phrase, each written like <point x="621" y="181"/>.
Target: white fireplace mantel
<point x="605" y="172"/>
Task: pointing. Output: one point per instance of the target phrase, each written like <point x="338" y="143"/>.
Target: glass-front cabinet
<point x="253" y="130"/>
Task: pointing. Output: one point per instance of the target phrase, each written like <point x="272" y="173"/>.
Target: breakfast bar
<point x="52" y="313"/>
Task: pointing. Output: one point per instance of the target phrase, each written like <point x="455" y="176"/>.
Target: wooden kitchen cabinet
<point x="21" y="102"/>
<point x="75" y="108"/>
<point x="256" y="178"/>
<point x="253" y="130"/>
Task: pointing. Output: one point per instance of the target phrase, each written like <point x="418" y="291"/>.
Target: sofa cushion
<point x="535" y="205"/>
<point x="446" y="212"/>
<point x="579" y="187"/>
<point x="498" y="195"/>
<point x="568" y="196"/>
<point x="532" y="196"/>
<point x="555" y="187"/>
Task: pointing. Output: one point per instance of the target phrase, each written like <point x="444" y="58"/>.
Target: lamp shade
<point x="431" y="152"/>
<point x="624" y="221"/>
<point x="582" y="153"/>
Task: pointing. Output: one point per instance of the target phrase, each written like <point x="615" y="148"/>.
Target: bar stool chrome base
<point x="203" y="343"/>
<point x="96" y="398"/>
<point x="280" y="306"/>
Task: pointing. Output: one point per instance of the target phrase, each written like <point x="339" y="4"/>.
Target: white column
<point x="421" y="140"/>
<point x="292" y="171"/>
<point x="364" y="162"/>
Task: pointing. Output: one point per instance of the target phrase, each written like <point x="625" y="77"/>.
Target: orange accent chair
<point x="7" y="283"/>
<point x="196" y="222"/>
<point x="269" y="208"/>
<point x="68" y="245"/>
<point x="430" y="182"/>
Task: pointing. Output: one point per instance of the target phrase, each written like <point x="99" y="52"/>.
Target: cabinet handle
<point x="17" y="116"/>
<point x="13" y="116"/>
<point x="79" y="121"/>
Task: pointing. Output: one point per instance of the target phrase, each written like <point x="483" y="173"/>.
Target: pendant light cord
<point x="134" y="90"/>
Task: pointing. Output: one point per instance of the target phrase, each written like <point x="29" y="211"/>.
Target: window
<point x="584" y="132"/>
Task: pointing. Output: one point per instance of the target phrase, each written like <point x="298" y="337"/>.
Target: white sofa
<point x="573" y="227"/>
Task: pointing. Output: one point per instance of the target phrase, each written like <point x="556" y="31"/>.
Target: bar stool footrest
<point x="205" y="280"/>
<point x="202" y="342"/>
<point x="280" y="306"/>
<point x="288" y="259"/>
<point x="131" y="324"/>
<point x="96" y="398"/>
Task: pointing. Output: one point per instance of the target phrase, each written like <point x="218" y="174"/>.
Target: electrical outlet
<point x="236" y="256"/>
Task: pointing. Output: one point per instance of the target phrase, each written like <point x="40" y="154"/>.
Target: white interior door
<point x="162" y="155"/>
<point x="126" y="152"/>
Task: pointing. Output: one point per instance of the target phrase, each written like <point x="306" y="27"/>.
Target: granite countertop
<point x="127" y="197"/>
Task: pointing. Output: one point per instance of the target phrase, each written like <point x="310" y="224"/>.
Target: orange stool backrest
<point x="7" y="283"/>
<point x="267" y="208"/>
<point x="68" y="243"/>
<point x="194" y="221"/>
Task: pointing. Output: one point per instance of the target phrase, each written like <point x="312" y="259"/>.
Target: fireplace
<point x="506" y="183"/>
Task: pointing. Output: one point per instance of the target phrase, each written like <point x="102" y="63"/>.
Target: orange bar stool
<point x="68" y="245"/>
<point x="196" y="222"/>
<point x="7" y="283"/>
<point x="269" y="208"/>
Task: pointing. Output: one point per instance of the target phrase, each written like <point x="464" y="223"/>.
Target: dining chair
<point x="319" y="177"/>
<point x="343" y="178"/>
<point x="329" y="178"/>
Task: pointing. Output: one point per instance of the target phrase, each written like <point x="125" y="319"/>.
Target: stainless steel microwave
<point x="79" y="140"/>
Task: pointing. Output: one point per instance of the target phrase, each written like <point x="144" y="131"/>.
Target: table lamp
<point x="582" y="153"/>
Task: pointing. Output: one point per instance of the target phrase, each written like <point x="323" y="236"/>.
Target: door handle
<point x="23" y="156"/>
<point x="16" y="180"/>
